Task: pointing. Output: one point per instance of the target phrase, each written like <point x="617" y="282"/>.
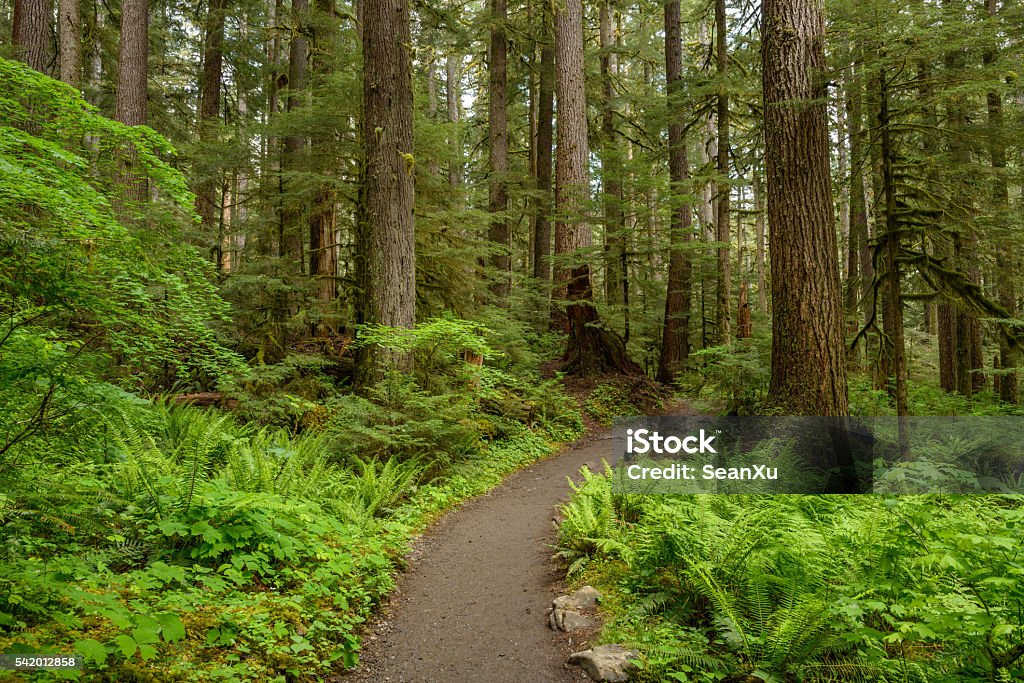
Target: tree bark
<point x="1005" y="266"/>
<point x="893" y="345"/>
<point x="762" y="279"/>
<point x="545" y="136"/>
<point x="947" y="315"/>
<point x="95" y="76"/>
<point x="452" y="94"/>
<point x="858" y="278"/>
<point x="323" y="249"/>
<point x="131" y="102"/>
<point x="611" y="169"/>
<point x="967" y="359"/>
<point x="592" y="348"/>
<point x="208" y="204"/>
<point x="675" y="339"/>
<point x="723" y="289"/>
<point x="386" y="255"/>
<point x="31" y="34"/>
<point x="843" y="162"/>
<point x="290" y="238"/>
<point x="808" y="375"/>
<point x="497" y="142"/>
<point x="70" y="18"/>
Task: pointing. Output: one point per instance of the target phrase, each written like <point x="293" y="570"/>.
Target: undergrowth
<point x="171" y="543"/>
<point x="805" y="588"/>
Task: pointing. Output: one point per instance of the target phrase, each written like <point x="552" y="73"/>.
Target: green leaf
<point x="92" y="650"/>
<point x="127" y="645"/>
<point x="171" y="627"/>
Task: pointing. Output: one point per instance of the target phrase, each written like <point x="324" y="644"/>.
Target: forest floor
<point x="473" y="604"/>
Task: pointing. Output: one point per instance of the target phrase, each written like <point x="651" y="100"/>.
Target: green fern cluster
<point x="805" y="588"/>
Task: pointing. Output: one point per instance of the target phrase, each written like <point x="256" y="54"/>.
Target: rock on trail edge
<point x="473" y="605"/>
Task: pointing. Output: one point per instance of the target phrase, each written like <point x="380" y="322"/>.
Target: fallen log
<point x="205" y="399"/>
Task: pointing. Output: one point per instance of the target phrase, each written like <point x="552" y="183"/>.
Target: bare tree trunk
<point x="611" y="169"/>
<point x="675" y="339"/>
<point x="323" y="248"/>
<point x="947" y="345"/>
<point x="762" y="279"/>
<point x="452" y="94"/>
<point x="844" y="187"/>
<point x="1005" y="266"/>
<point x="724" y="285"/>
<point x="386" y="254"/>
<point x="744" y="325"/>
<point x="131" y="103"/>
<point x="808" y="374"/>
<point x="291" y="232"/>
<point x="70" y="19"/>
<point x="545" y="135"/>
<point x="241" y="190"/>
<point x="208" y="204"/>
<point x="967" y="359"/>
<point x="858" y="276"/>
<point x="892" y="305"/>
<point x="95" y="59"/>
<point x="497" y="141"/>
<point x="591" y="348"/>
<point x="32" y="33"/>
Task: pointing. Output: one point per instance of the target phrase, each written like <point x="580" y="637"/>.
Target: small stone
<point x="584" y="598"/>
<point x="606" y="663"/>
<point x="567" y="620"/>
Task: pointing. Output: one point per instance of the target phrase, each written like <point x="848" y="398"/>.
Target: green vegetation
<point x="281" y="281"/>
<point x="167" y="542"/>
<point x="177" y="545"/>
<point x="805" y="588"/>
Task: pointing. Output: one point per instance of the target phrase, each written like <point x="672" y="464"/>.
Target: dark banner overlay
<point x="885" y="455"/>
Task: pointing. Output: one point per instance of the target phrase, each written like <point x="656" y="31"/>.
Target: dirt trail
<point x="473" y="605"/>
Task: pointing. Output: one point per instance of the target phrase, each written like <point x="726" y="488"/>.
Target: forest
<point x="283" y="283"/>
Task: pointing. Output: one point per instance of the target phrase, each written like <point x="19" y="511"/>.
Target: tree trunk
<point x="452" y="93"/>
<point x="858" y="277"/>
<point x="32" y="32"/>
<point x="724" y="286"/>
<point x="323" y="250"/>
<point x="591" y="347"/>
<point x="968" y="359"/>
<point x="95" y="77"/>
<point x="1005" y="266"/>
<point x="497" y="142"/>
<point x="386" y="255"/>
<point x="130" y="105"/>
<point x="611" y="168"/>
<point x="70" y="19"/>
<point x="762" y="279"/>
<point x="241" y="190"/>
<point x="545" y="135"/>
<point x="947" y="345"/>
<point x="208" y="204"/>
<point x="843" y="163"/>
<point x="293" y="155"/>
<point x="808" y="375"/>
<point x="675" y="339"/>
<point x="893" y="345"/>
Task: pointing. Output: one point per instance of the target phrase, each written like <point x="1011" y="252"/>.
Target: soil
<point x="473" y="605"/>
